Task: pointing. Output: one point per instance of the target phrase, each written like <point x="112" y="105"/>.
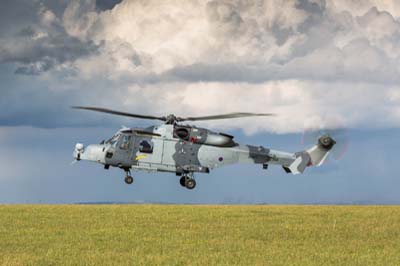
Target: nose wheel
<point x="188" y="181"/>
<point x="128" y="177"/>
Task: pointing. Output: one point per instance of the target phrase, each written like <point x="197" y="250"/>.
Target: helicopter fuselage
<point x="179" y="149"/>
<point x="185" y="150"/>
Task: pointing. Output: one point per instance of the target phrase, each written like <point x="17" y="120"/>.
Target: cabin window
<point x="125" y="140"/>
<point x="145" y="146"/>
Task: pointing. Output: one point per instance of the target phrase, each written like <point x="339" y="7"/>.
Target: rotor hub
<point x="326" y="142"/>
<point x="171" y="119"/>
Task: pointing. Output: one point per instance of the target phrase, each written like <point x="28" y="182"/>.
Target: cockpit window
<point x="126" y="139"/>
<point x="113" y="141"/>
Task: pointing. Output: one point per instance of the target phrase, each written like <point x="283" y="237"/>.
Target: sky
<point x="315" y="63"/>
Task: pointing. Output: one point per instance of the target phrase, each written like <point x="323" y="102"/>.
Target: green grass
<point x="199" y="235"/>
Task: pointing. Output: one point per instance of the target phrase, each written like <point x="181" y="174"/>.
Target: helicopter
<point x="186" y="149"/>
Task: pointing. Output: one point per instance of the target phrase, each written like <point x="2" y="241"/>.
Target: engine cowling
<point x="220" y="140"/>
<point x="203" y="136"/>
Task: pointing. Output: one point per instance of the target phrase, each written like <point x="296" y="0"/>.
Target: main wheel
<point x="190" y="183"/>
<point x="182" y="181"/>
<point x="128" y="179"/>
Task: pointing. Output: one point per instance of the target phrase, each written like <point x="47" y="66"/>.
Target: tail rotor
<point x="336" y="140"/>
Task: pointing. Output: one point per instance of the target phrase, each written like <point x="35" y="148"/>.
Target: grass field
<point x="199" y="235"/>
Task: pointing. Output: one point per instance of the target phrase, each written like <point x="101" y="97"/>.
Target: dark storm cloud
<point x="15" y="15"/>
<point x="102" y="5"/>
<point x="33" y="37"/>
<point x="328" y="71"/>
<point x="29" y="100"/>
<point x="42" y="54"/>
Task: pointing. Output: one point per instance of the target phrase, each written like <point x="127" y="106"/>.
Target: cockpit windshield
<point x="126" y="140"/>
<point x="113" y="141"/>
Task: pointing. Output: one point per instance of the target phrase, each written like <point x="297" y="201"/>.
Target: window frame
<point x="123" y="144"/>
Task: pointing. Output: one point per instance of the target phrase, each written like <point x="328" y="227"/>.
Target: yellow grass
<point x="199" y="235"/>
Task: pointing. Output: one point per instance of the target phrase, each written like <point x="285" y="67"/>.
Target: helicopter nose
<point x="93" y="152"/>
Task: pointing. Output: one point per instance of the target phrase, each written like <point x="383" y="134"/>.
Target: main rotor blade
<point x="223" y="116"/>
<point x="108" y="111"/>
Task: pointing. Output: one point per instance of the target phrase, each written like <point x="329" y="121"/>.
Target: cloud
<point x="236" y="41"/>
<point x="313" y="62"/>
<point x="42" y="44"/>
<point x="360" y="7"/>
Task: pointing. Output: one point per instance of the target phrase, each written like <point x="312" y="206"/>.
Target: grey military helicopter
<point x="186" y="149"/>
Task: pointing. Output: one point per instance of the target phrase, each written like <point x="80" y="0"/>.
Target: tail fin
<point x="316" y="155"/>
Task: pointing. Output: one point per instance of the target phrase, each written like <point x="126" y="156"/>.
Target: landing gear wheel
<point x="128" y="179"/>
<point x="182" y="181"/>
<point x="190" y="183"/>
